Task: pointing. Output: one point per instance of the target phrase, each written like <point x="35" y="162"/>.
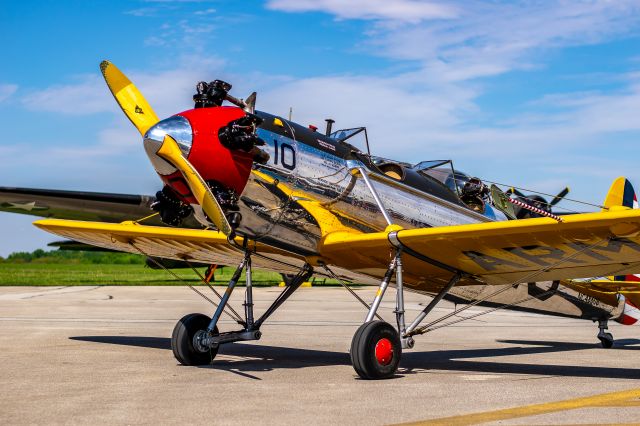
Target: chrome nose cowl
<point x="179" y="129"/>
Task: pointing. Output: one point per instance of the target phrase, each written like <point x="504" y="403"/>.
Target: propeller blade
<point x="131" y="101"/>
<point x="559" y="197"/>
<point x="251" y="103"/>
<point x="512" y="190"/>
<point x="170" y="151"/>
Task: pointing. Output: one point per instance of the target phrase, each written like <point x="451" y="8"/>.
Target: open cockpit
<point x="436" y="177"/>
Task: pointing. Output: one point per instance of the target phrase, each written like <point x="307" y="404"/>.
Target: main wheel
<point x="376" y="350"/>
<point x="606" y="339"/>
<point x="186" y="351"/>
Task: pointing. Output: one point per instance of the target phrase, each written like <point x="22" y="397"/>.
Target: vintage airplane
<point x="247" y="187"/>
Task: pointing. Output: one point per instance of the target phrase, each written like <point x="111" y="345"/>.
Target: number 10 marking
<point x="287" y="155"/>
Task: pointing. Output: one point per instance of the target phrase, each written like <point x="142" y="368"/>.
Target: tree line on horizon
<point x="74" y="257"/>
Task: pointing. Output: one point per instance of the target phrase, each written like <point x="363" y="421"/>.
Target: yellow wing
<point x="173" y="243"/>
<point x="584" y="245"/>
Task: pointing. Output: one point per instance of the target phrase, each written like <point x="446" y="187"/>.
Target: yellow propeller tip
<point x="104" y="65"/>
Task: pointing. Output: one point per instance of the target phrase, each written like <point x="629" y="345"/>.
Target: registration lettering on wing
<point x="613" y="250"/>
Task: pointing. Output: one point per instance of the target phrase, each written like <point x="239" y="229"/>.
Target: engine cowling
<point x="197" y="133"/>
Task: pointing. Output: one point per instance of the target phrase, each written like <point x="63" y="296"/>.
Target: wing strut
<point x="380" y="360"/>
<point x="233" y="314"/>
<point x="359" y="169"/>
<point x="196" y="338"/>
<point x="453" y="281"/>
<point x="429" y="327"/>
<point x="528" y="278"/>
<point x="349" y="289"/>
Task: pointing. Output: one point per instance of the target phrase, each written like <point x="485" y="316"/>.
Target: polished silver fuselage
<point x="312" y="185"/>
<point x="270" y="208"/>
<point x="275" y="210"/>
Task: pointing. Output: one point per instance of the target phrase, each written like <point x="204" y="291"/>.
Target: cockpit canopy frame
<point x="343" y="134"/>
<point x="443" y="171"/>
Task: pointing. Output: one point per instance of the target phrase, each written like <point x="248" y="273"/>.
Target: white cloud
<point x="86" y="96"/>
<point x="165" y="90"/>
<point x="111" y="159"/>
<point x="430" y="111"/>
<point x="142" y="12"/>
<point x="493" y="38"/>
<point x="209" y="11"/>
<point x="6" y="90"/>
<point x="184" y="32"/>
<point x="477" y="39"/>
<point x="397" y="10"/>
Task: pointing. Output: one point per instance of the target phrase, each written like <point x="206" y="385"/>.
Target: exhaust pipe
<point x="329" y="125"/>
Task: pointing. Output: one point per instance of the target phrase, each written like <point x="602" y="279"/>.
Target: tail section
<point x="621" y="193"/>
<point x="630" y="313"/>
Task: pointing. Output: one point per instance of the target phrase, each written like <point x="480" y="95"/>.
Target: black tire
<point x="182" y="340"/>
<point x="369" y="363"/>
<point x="606" y="340"/>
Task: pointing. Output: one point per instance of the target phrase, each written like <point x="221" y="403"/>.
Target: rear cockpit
<point x="432" y="183"/>
<point x="436" y="177"/>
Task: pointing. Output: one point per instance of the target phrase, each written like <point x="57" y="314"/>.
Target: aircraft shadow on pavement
<point x="263" y="358"/>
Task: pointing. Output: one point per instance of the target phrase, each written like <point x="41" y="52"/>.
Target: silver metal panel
<point x="270" y="210"/>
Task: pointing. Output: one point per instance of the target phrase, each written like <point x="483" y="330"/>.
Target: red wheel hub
<point x="384" y="351"/>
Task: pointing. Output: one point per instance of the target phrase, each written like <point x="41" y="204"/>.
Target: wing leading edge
<point x="195" y="245"/>
<point x="584" y="245"/>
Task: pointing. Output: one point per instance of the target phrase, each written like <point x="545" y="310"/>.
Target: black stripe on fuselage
<point x="346" y="151"/>
<point x="306" y="136"/>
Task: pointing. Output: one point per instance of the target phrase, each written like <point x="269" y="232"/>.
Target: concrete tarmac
<point x="101" y="355"/>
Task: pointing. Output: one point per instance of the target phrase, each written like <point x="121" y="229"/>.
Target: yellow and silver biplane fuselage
<point x="276" y="195"/>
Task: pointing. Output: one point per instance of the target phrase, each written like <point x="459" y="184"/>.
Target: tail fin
<point x="621" y="193"/>
<point x="630" y="313"/>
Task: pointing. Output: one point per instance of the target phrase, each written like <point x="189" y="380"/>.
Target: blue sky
<point x="540" y="94"/>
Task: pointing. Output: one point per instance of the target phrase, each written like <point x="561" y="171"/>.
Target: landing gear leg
<point x="606" y="339"/>
<point x="196" y="339"/>
<point x="376" y="347"/>
<point x="193" y="337"/>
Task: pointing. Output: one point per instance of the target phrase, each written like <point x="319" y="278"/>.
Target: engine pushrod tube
<point x="434" y="302"/>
